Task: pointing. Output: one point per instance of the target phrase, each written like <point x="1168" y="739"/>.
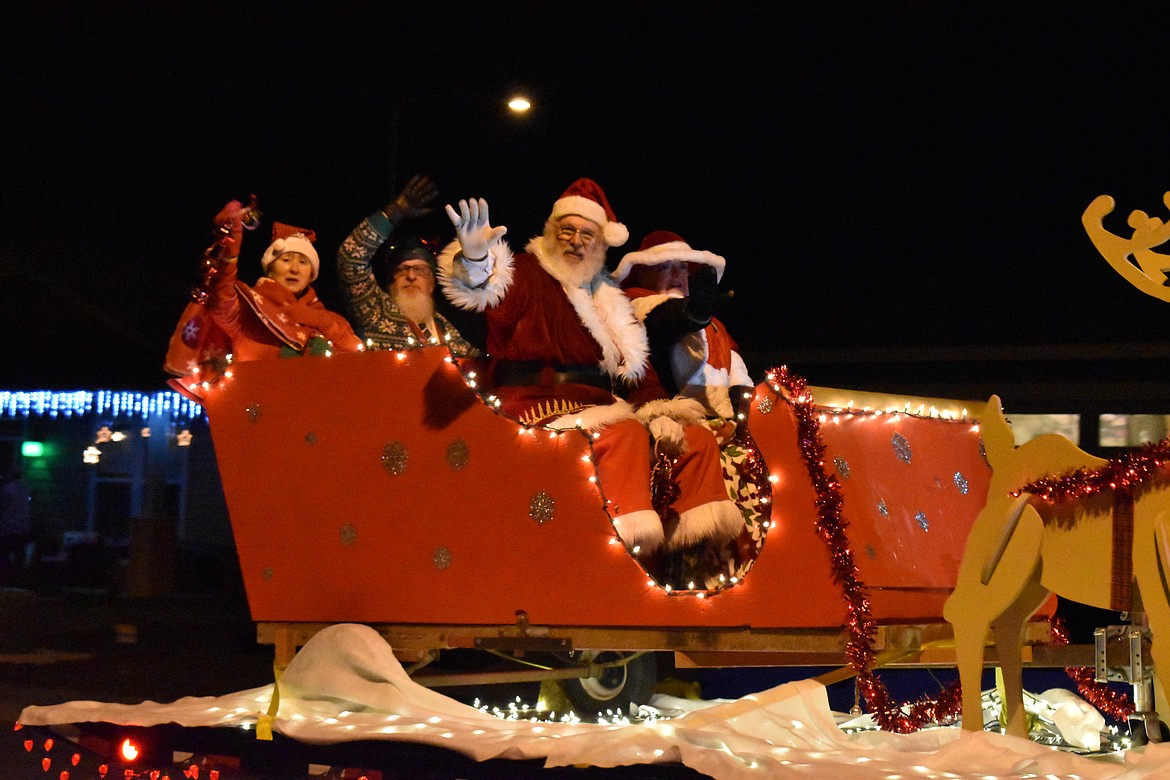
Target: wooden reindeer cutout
<point x="1023" y="547"/>
<point x="1147" y="270"/>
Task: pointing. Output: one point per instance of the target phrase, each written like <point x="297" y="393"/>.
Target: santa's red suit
<point x="704" y="361"/>
<point x="560" y="353"/>
<point x="706" y="364"/>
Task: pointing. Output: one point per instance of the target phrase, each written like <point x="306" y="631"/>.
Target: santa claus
<point x="567" y="351"/>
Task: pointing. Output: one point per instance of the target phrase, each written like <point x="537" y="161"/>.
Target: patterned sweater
<point x="372" y="309"/>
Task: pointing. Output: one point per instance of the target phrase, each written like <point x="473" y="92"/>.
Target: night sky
<point x="876" y="174"/>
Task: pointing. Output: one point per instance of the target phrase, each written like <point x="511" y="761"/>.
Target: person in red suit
<point x="280" y="315"/>
<point x="674" y="289"/>
<point x="567" y="351"/>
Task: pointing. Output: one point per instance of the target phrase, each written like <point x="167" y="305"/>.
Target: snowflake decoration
<point x="765" y="405"/>
<point x="441" y="558"/>
<point x="542" y="508"/>
<point x="267" y="573"/>
<point x="394" y="457"/>
<point x="883" y="510"/>
<point x="842" y="467"/>
<point x="923" y="523"/>
<point x="458" y="455"/>
<point x="961" y="482"/>
<point x="253" y="412"/>
<point x="348" y="534"/>
<point x="901" y="447"/>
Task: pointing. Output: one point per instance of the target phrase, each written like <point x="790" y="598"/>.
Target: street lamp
<point x="517" y="105"/>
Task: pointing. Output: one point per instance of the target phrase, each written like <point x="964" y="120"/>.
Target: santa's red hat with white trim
<point x="585" y="198"/>
<point x="290" y="238"/>
<point x="662" y="246"/>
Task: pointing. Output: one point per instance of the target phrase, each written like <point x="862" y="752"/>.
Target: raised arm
<point x="366" y="301"/>
<point x="475" y="270"/>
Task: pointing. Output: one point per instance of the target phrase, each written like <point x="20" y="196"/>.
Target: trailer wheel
<point x="617" y="687"/>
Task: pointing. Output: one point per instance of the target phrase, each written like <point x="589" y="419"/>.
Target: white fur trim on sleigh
<point x="458" y="285"/>
<point x="720" y="521"/>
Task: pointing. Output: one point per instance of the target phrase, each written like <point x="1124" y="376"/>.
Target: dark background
<point x="879" y="176"/>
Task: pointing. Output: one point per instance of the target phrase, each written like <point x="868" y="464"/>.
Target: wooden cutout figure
<point x="1021" y="549"/>
<point x="1147" y="270"/>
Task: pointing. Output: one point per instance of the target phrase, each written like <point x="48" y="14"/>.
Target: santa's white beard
<point x="415" y="304"/>
<point x="572" y="274"/>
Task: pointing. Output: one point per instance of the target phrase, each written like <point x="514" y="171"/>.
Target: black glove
<point x="413" y="201"/>
<point x="705" y="296"/>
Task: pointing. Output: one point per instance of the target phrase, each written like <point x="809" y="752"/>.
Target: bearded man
<point x="401" y="314"/>
<point x="565" y="346"/>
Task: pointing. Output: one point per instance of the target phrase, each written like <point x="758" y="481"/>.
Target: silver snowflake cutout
<point x="883" y="510"/>
<point x="394" y="458"/>
<point x="961" y="482"/>
<point x="441" y="558"/>
<point x="458" y="455"/>
<point x="901" y="447"/>
<point x="923" y="523"/>
<point x="842" y="467"/>
<point x="765" y="405"/>
<point x="542" y="508"/>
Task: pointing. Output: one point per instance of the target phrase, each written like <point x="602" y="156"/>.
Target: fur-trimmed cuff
<point x="458" y="286"/>
<point x="648" y="303"/>
<point x="681" y="409"/>
<point x="719" y="521"/>
<point x="641" y="529"/>
<point x="593" y="418"/>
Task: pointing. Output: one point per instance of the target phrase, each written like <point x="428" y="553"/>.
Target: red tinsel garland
<point x="890" y="715"/>
<point x="1126" y="472"/>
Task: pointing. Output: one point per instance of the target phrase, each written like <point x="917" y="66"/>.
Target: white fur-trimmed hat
<point x="662" y="246"/>
<point x="288" y="238"/>
<point x="585" y="198"/>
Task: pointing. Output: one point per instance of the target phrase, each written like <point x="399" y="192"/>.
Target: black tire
<point x="617" y="687"/>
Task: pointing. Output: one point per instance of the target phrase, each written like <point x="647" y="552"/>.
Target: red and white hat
<point x="288" y="238"/>
<point x="662" y="246"/>
<point x="584" y="198"/>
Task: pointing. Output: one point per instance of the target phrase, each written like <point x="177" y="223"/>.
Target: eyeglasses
<point x="419" y="269"/>
<point x="566" y="234"/>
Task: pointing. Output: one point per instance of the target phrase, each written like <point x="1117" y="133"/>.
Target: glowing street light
<point x="519" y="104"/>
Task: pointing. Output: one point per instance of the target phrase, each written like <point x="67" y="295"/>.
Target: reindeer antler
<point x="1147" y="270"/>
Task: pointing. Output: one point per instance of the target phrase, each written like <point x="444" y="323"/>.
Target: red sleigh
<point x="384" y="488"/>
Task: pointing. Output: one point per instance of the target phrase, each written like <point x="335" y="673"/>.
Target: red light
<point x="128" y="750"/>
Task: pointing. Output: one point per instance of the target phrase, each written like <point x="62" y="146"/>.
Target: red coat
<point x="533" y="318"/>
<point x="250" y="323"/>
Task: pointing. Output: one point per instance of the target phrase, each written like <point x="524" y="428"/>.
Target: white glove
<point x="668" y="434"/>
<point x="472" y="228"/>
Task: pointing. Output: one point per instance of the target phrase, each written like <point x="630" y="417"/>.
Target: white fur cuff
<point x="681" y="409"/>
<point x="719" y="521"/>
<point x="457" y="283"/>
<point x="642" y="529"/>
